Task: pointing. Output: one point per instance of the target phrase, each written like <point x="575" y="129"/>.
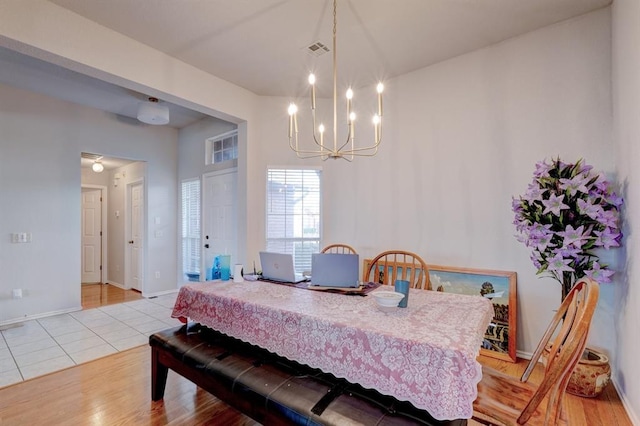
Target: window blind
<point x="191" y="247"/>
<point x="293" y="222"/>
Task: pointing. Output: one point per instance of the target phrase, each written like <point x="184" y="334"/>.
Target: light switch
<point x="21" y="237"/>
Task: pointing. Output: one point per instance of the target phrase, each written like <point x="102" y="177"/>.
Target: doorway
<point x="107" y="261"/>
<point x="220" y="223"/>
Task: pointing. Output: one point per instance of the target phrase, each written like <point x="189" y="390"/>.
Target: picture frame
<point x="501" y="336"/>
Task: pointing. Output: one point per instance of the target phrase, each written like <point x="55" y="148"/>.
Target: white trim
<point x="159" y="293"/>
<point x="115" y="284"/>
<point x="626" y="403"/>
<point x="42" y="315"/>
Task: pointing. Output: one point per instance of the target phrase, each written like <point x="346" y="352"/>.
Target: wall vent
<point x="317" y="49"/>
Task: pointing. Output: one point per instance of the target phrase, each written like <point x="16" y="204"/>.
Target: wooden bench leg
<point x="158" y="376"/>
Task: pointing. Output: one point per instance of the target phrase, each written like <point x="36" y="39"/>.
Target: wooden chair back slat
<point x="339" y="248"/>
<point x="389" y="266"/>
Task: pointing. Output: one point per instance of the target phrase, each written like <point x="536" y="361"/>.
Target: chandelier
<point x="346" y="150"/>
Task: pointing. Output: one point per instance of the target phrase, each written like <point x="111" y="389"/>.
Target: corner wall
<point x="626" y="130"/>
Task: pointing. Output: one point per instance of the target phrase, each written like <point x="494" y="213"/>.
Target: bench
<point x="269" y="388"/>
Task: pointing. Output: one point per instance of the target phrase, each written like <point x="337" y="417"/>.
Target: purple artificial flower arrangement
<point x="567" y="212"/>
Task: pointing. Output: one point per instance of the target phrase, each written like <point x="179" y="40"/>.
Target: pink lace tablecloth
<point x="425" y="353"/>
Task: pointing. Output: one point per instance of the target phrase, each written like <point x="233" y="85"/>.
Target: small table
<point x="424" y="354"/>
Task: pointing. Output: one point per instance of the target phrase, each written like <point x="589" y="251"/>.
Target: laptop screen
<point x="335" y="270"/>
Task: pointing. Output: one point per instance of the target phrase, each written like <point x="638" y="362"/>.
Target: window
<point x="191" y="227"/>
<point x="223" y="147"/>
<point x="293" y="214"/>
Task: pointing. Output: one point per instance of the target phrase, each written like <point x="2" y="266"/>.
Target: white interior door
<point x="136" y="236"/>
<point x="220" y="222"/>
<point x="91" y="235"/>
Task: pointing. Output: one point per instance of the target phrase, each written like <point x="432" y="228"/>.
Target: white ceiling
<point x="261" y="44"/>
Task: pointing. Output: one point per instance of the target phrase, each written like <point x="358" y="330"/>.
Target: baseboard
<point x="115" y="284"/>
<point x="159" y="293"/>
<point x="37" y="316"/>
<point x="635" y="419"/>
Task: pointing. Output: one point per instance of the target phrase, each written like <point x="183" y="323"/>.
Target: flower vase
<point x="590" y="376"/>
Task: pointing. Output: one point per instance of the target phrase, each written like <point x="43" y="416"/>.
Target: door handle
<point x="131" y="242"/>
<point x="206" y="246"/>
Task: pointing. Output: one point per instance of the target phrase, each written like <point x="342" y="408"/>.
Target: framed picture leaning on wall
<point x="498" y="286"/>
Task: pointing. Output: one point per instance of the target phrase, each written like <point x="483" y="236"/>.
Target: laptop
<point x="335" y="270"/>
<point x="279" y="267"/>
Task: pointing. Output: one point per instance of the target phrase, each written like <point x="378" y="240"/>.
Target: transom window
<point x="223" y="147"/>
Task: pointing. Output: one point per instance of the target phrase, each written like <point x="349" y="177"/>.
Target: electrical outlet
<point x="17" y="293"/>
<point x="157" y="274"/>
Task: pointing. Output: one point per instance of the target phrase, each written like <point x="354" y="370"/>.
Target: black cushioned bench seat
<point x="271" y="389"/>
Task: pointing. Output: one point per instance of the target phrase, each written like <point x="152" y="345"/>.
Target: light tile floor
<point x="45" y="345"/>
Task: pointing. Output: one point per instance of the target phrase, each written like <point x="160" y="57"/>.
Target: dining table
<point x="425" y="353"/>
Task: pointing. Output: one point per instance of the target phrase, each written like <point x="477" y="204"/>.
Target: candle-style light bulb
<point x="312" y="82"/>
<point x="380" y="89"/>
<point x="349" y="98"/>
<point x="292" y="112"/>
<point x="321" y="130"/>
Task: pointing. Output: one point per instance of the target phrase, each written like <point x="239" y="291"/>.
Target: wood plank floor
<point x="96" y="295"/>
<point x="116" y="390"/>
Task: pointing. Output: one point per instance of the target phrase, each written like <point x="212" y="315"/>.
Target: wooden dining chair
<point x="389" y="266"/>
<point x="506" y="400"/>
<point x="339" y="248"/>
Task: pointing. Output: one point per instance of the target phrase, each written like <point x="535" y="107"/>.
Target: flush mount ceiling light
<point x="97" y="165"/>
<point x="347" y="149"/>
<point x="151" y="112"/>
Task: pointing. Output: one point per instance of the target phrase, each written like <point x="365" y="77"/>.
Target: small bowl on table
<point x="387" y="300"/>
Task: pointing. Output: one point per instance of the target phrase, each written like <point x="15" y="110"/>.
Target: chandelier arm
<point x="315" y="138"/>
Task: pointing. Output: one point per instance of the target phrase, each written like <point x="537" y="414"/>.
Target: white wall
<point x="626" y="129"/>
<point x="45" y="200"/>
